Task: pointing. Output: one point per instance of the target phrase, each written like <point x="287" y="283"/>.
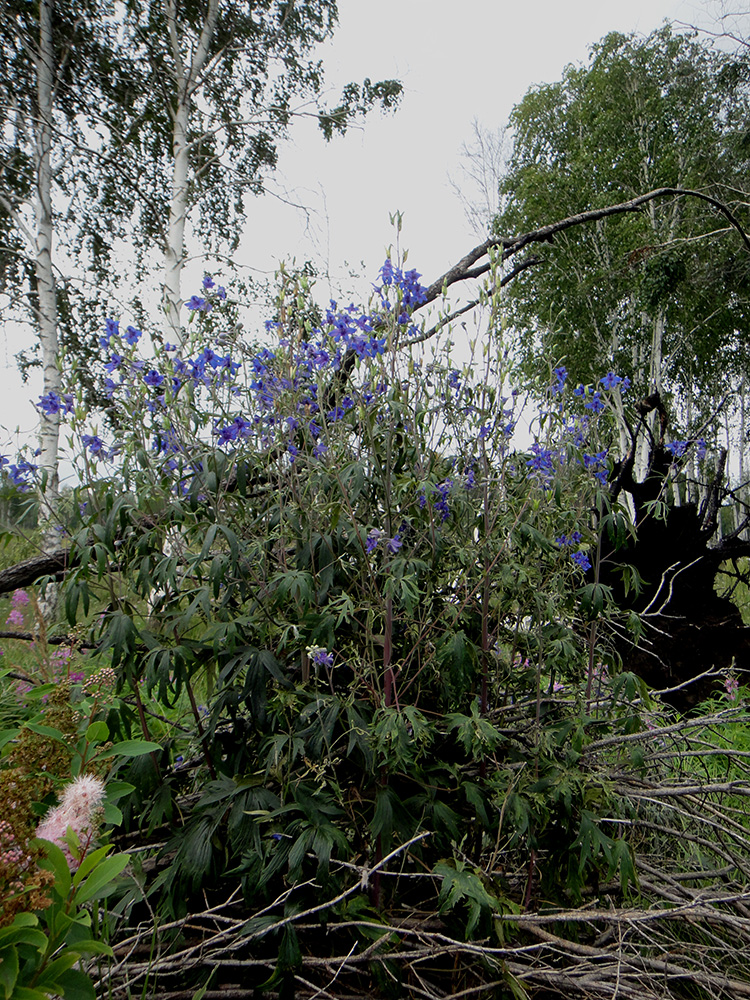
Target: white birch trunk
<point x="45" y="279"/>
<point x="174" y="256"/>
<point x="743" y="431"/>
<point x="187" y="78"/>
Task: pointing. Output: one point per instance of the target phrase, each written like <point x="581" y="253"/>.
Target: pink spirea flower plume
<point x="77" y="811"/>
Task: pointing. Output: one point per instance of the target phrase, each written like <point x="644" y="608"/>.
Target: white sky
<point x="454" y="68"/>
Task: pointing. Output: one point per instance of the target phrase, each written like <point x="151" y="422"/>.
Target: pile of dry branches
<point x="682" y="790"/>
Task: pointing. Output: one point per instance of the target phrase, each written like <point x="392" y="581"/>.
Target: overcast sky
<point x="455" y="69"/>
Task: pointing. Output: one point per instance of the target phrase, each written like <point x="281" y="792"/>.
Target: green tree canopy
<point x="661" y="294"/>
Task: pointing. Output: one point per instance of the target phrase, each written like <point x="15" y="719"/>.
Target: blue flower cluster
<point x="558" y="386"/>
<point x="581" y="560"/>
<point x="52" y="402"/>
<point x="212" y="293"/>
<point x="410" y="293"/>
<point x="542" y="461"/>
<point x="573" y="538"/>
<point x="597" y="465"/>
<point x="320" y="656"/>
<point x="579" y="557"/>
<point x="20" y="473"/>
<point x="679" y="449"/>
<point x="282" y="404"/>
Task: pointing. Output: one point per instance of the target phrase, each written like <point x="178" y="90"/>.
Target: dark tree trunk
<point x="688" y="627"/>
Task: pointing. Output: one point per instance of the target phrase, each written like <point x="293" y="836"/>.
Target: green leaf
<point x="8" y="971"/>
<point x="21" y="921"/>
<point x="98" y="732"/>
<point x="51" y="973"/>
<point x="102" y="878"/>
<point x="129" y="748"/>
<point x="56" y="863"/>
<point x="112" y="815"/>
<point x="26" y="993"/>
<point x="92" y="859"/>
<point x="87" y="946"/>
<point x="55" y="734"/>
<point x="6" y="735"/>
<point x="116" y="789"/>
<point x="76" y="985"/>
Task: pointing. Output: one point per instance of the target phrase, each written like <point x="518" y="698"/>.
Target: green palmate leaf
<point x="622" y="858"/>
<point x="290" y="953"/>
<point x="460" y="885"/>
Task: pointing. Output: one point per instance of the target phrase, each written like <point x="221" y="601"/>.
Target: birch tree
<point x="219" y="83"/>
<point x="50" y="63"/>
<point x="659" y="294"/>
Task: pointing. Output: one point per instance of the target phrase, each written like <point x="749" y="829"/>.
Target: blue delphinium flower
<point x="94" y="444"/>
<point x="373" y="539"/>
<point x="581" y="560"/>
<point x="21" y="475"/>
<point x="52" y="402"/>
<point x="440" y="503"/>
<point x="153" y="379"/>
<point x="394" y="544"/>
<point x="541" y="461"/>
<point x="678" y="448"/>
<point x="596" y="403"/>
<point x="198" y="304"/>
<point x="320" y="656"/>
<point x="610" y="381"/>
<point x="112" y="329"/>
<point x="558" y="386"/>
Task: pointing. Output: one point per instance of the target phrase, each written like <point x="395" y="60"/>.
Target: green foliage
<point x="638" y="291"/>
<point x="38" y="955"/>
<point x="365" y="662"/>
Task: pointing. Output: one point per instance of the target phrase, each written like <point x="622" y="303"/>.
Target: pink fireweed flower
<point x="732" y="687"/>
<point x="78" y="811"/>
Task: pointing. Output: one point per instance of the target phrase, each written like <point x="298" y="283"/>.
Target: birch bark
<point x="44" y="272"/>
<point x="187" y="77"/>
